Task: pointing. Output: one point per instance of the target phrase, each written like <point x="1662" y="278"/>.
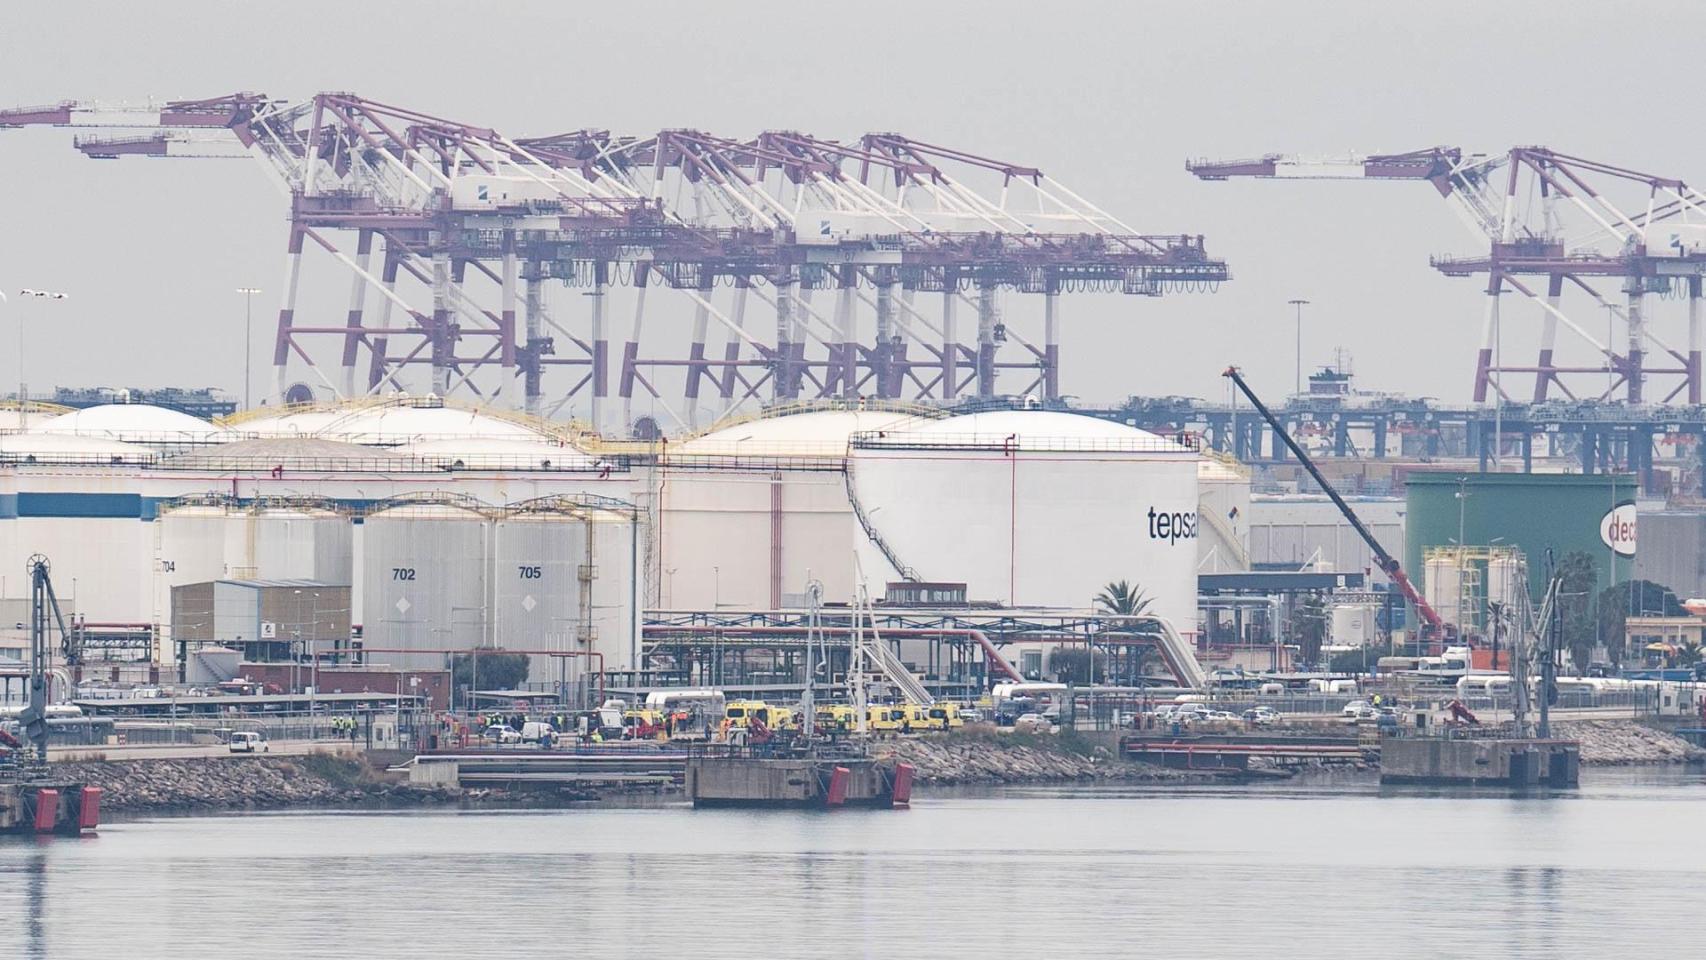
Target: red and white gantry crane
<point x="1554" y="224"/>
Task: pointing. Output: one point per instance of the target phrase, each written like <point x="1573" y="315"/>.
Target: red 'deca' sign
<point x="1617" y="529"/>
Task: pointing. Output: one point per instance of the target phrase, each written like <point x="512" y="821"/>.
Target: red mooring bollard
<point x="903" y="774"/>
<point x="89" y="811"/>
<point x="838" y="787"/>
<point x="47" y="810"/>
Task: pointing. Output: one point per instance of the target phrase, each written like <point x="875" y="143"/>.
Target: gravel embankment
<point x="206" y="783"/>
<point x="1014" y="759"/>
<point x="1618" y="742"/>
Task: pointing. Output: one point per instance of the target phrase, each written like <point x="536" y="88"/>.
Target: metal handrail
<point x="78" y="459"/>
<point x="874" y="404"/>
<point x="1022" y="443"/>
<point x="871" y="532"/>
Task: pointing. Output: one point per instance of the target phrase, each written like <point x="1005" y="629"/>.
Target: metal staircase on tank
<point x="869" y="645"/>
<point x="1240" y="553"/>
<point x="906" y="573"/>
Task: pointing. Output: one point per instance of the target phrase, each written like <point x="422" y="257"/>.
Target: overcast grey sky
<point x="1110" y="98"/>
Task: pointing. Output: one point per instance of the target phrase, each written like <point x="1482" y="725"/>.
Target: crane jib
<point x="1386" y="561"/>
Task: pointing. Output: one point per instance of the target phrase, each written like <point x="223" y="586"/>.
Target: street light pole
<point x="248" y="336"/>
<point x="312" y="648"/>
<point x="1298" y="305"/>
<point x="23" y="388"/>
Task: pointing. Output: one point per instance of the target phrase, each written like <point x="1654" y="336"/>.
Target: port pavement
<point x="182" y="751"/>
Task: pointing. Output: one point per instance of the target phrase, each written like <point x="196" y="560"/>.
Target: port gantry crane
<point x="1553" y="222"/>
<point x="451" y="210"/>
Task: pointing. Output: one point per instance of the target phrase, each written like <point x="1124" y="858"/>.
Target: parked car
<point x="248" y="742"/>
<point x="1261" y="716"/>
<point x="503" y="733"/>
<point x="1183" y="714"/>
<point x="1033" y="723"/>
<point x="1357" y="708"/>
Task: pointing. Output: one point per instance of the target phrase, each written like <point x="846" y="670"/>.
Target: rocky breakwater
<point x="968" y="758"/>
<point x="208" y="783"/>
<point x="1614" y="742"/>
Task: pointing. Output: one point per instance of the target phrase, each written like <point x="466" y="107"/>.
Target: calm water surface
<point x="1616" y="869"/>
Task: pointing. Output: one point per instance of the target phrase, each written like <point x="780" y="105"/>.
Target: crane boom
<point x="1463" y="178"/>
<point x="1388" y="564"/>
<point x="1435" y="164"/>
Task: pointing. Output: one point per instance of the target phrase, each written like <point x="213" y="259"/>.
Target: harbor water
<point x="1319" y="870"/>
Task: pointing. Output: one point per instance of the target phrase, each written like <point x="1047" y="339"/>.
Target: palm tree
<point x="1120" y="599"/>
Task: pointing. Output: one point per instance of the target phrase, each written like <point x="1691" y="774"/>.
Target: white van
<point x="534" y="731"/>
<point x="247" y="741"/>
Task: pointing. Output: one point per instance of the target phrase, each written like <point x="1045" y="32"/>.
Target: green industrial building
<point x="1533" y="512"/>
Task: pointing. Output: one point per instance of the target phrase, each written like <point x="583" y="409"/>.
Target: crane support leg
<point x="287" y="311"/>
<point x="1546" y="373"/>
<point x="630" y="350"/>
<point x="1051" y="341"/>
<point x="1636" y="332"/>
<point x="357" y="302"/>
<point x="1489" y="330"/>
<point x="697" y="368"/>
<point x="986" y="321"/>
<point x="1694" y="341"/>
<point x="950" y="346"/>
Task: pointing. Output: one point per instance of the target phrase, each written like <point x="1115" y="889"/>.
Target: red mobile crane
<point x="1433" y="627"/>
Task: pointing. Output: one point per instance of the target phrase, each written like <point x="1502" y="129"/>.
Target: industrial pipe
<point x="477" y="651"/>
<point x="991" y="654"/>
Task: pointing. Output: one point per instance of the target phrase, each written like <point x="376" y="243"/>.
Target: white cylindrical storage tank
<point x="190" y="546"/>
<point x="424" y="575"/>
<point x="291" y="542"/>
<point x="1506" y="573"/>
<point x="612" y="601"/>
<point x="537" y="556"/>
<point x="1223" y="496"/>
<point x="1030" y="508"/>
<point x="1353" y="624"/>
<point x="223" y="540"/>
<point x="1442" y="586"/>
<point x="772" y="514"/>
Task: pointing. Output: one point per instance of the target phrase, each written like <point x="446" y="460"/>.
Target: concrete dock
<point x="716" y="780"/>
<point x="1480" y="762"/>
<point x="1234" y="752"/>
<point x="49" y="805"/>
<point x="517" y="767"/>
